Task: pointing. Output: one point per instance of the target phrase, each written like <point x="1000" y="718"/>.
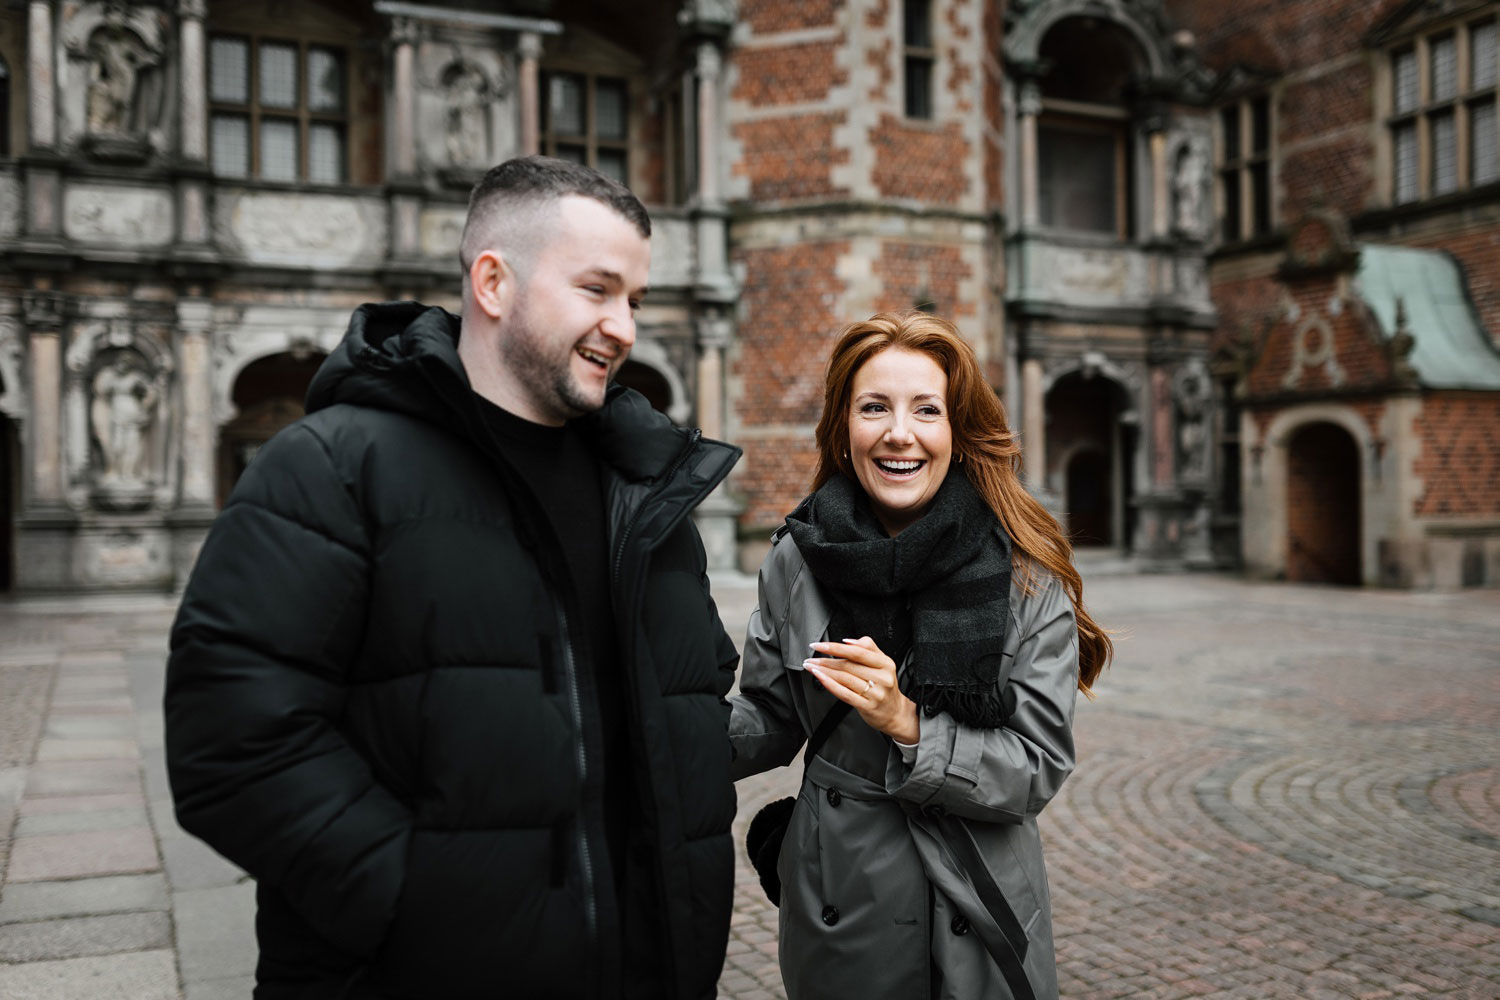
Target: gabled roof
<point x="1452" y="350"/>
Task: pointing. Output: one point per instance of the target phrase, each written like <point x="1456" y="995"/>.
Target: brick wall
<point x="910" y="273"/>
<point x="1459" y="465"/>
<point x="1477" y="249"/>
<point x="920" y="160"/>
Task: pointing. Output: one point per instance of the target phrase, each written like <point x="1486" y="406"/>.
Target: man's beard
<point x="546" y="366"/>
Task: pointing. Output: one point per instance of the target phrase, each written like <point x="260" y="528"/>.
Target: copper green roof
<point x="1452" y="350"/>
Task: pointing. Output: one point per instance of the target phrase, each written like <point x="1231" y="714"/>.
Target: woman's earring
<point x="846" y="454"/>
<point x="960" y="458"/>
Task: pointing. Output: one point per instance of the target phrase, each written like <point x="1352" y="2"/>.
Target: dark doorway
<point x="648" y="382"/>
<point x="10" y="491"/>
<point x="1090" y="448"/>
<point x="1088" y="498"/>
<point x="1322" y="504"/>
<point x="267" y="397"/>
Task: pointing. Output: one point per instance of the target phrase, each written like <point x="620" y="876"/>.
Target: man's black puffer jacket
<point x="371" y="706"/>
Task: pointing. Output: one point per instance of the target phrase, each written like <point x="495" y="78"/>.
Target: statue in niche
<point x="1189" y="186"/>
<point x="121" y="414"/>
<point x="1192" y="389"/>
<point x="468" y="95"/>
<point x="118" y="59"/>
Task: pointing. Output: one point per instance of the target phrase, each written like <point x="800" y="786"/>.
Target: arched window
<point x="1083" y="135"/>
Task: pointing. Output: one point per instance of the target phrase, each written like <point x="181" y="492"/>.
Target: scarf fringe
<point x="984" y="709"/>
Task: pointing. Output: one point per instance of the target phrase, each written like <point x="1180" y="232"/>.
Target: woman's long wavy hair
<point x="982" y="441"/>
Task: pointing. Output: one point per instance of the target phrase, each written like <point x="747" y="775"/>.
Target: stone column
<point x="41" y="77"/>
<point x="714" y="281"/>
<point x="1161" y="187"/>
<point x="528" y="92"/>
<point x="1033" y="425"/>
<point x="194" y="69"/>
<point x="1028" y="108"/>
<point x="43" y="314"/>
<point x="403" y="98"/>
<point x="195" y="370"/>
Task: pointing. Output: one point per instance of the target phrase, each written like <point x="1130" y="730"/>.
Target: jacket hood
<point x="403" y="356"/>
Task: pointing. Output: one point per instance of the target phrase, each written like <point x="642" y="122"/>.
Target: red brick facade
<point x="1459" y="464"/>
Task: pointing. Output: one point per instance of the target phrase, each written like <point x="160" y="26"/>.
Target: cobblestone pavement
<point x="1282" y="792"/>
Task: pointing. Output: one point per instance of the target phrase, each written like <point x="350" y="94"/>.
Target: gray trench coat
<point x="873" y="903"/>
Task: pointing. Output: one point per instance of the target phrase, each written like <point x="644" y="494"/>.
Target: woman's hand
<point x="857" y="672"/>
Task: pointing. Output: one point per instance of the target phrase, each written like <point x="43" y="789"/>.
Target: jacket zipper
<point x="575" y="704"/>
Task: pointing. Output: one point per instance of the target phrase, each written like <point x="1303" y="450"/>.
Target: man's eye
<point x="635" y="305"/>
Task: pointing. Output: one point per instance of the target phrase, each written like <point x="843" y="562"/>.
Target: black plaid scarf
<point x="940" y="588"/>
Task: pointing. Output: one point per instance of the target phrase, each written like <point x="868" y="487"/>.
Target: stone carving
<point x="117" y="58"/>
<point x="1190" y="178"/>
<point x="120" y="52"/>
<point x="468" y="94"/>
<point x="122" y="411"/>
<point x="12" y="399"/>
<point x="273" y="227"/>
<point x="1193" y="391"/>
<point x="1312" y="346"/>
<point x="98" y="213"/>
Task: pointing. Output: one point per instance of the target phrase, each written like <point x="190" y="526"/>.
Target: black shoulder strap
<point x="825" y="729"/>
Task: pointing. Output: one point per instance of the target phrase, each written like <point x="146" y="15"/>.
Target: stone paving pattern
<point x="1282" y="791"/>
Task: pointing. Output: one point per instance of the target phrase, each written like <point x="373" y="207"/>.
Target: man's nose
<point x="618" y="325"/>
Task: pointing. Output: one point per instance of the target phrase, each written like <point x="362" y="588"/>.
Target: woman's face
<point x="900" y="441"/>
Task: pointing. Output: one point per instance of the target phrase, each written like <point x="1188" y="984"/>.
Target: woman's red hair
<point x="982" y="441"/>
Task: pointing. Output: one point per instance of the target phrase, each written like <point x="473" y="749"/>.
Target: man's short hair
<point x="527" y="185"/>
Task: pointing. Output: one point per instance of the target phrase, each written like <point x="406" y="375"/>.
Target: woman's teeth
<point x="899" y="467"/>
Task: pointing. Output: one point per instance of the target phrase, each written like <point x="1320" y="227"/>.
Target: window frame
<point x="1254" y="213"/>
<point x="1101" y="119"/>
<point x="548" y="139"/>
<point x="1423" y="120"/>
<point x="302" y="113"/>
<point x="924" y="56"/>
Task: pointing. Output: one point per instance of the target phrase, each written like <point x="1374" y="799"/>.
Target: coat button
<point x="936" y="811"/>
<point x="830" y="915"/>
<point x="960" y="925"/>
<point x="834" y="798"/>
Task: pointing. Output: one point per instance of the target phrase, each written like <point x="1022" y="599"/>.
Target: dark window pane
<point x="1404" y="80"/>
<point x="278" y="149"/>
<point x="325" y="80"/>
<point x="1079" y="175"/>
<point x="1484" y="60"/>
<point x="1260" y="125"/>
<point x="1230" y="180"/>
<point x="325" y="154"/>
<point x="1484" y="143"/>
<point x="918" y="87"/>
<point x="230" y="139"/>
<point x="573" y="154"/>
<point x="1260" y="196"/>
<point x="1444" y="153"/>
<point x="229" y="71"/>
<point x="612" y="165"/>
<point x="565" y="104"/>
<point x="1444" y="54"/>
<point x="1229" y="122"/>
<point x="1404" y="161"/>
<point x="918" y="24"/>
<point x="610" y="109"/>
<point x="278" y="76"/>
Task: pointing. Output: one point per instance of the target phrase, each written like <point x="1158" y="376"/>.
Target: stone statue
<point x="116" y="60"/>
<point x="1192" y="388"/>
<point x="468" y="96"/>
<point x="122" y="413"/>
<point x="1189" y="185"/>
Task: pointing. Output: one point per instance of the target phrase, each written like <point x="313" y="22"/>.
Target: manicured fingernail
<point x="810" y="665"/>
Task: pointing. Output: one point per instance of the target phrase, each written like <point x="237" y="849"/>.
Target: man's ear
<point x="492" y="284"/>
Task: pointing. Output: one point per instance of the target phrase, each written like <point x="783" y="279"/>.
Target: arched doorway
<point x="1089" y="458"/>
<point x="647" y="381"/>
<point x="10" y="488"/>
<point x="267" y="396"/>
<point x="1322" y="502"/>
<point x="1088" y="497"/>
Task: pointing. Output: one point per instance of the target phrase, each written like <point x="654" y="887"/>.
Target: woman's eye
<point x="872" y="408"/>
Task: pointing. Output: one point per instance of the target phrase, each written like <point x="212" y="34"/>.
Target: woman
<point x="921" y="586"/>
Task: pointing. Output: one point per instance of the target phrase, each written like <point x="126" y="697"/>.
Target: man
<point x="447" y="680"/>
